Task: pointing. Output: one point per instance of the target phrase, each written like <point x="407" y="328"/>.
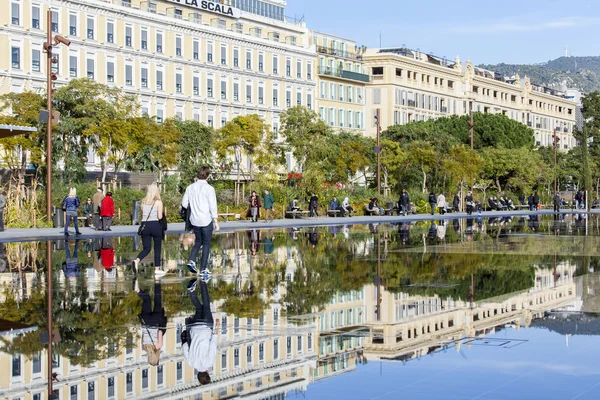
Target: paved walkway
<point x="39" y="234"/>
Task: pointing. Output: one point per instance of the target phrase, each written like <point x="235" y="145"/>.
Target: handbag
<point x="143" y="224"/>
<point x="163" y="221"/>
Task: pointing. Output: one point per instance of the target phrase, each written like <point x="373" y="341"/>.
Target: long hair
<point x="72" y="192"/>
<point x="152" y="194"/>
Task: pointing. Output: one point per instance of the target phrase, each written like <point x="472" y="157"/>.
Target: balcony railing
<point x="342" y="73"/>
<point x="335" y="52"/>
<point x="444" y="109"/>
<point x="411" y="103"/>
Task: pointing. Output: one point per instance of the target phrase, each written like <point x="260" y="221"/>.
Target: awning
<point x="14" y="130"/>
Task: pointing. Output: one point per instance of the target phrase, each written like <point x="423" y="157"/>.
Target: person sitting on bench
<point x="335" y="206"/>
<point x="347" y="207"/>
<point x="372" y="207"/>
<point x="294" y="205"/>
<point x="492" y="204"/>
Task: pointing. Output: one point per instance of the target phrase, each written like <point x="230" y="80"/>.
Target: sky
<point x="486" y="32"/>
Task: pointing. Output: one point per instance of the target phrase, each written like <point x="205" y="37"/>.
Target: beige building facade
<point x="409" y="86"/>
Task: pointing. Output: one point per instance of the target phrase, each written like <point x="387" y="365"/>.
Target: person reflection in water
<point x="199" y="344"/>
<point x="154" y="322"/>
<point x="71" y="265"/>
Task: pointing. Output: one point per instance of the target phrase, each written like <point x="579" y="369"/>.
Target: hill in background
<point x="582" y="73"/>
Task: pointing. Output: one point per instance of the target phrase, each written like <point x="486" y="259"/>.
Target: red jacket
<point x="107" y="207"/>
<point x="108" y="258"/>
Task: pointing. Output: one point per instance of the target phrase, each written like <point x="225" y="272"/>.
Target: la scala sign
<point x="211" y="6"/>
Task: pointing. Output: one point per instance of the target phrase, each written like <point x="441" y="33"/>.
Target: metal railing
<point x="342" y="73"/>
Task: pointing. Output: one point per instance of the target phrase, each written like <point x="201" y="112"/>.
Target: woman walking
<point x="254" y="206"/>
<point x="107" y="211"/>
<point x="70" y="205"/>
<point x="152" y="230"/>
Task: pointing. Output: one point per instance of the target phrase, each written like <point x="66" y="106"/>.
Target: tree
<point x="463" y="165"/>
<point x="423" y="155"/>
<point x="352" y="157"/>
<point x="195" y="148"/>
<point x="243" y="135"/>
<point x="393" y="158"/>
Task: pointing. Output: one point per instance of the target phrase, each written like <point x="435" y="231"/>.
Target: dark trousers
<point x="557" y="208"/>
<point x="312" y="211"/>
<point x="432" y="208"/>
<point x="203" y="313"/>
<point x="152" y="231"/>
<point x="97" y="221"/>
<point x="152" y="317"/>
<point x="1" y="219"/>
<point x="106" y="223"/>
<point x="203" y="238"/>
<point x="71" y="216"/>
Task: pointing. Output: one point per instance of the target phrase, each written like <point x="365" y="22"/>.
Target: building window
<point x="298" y="69"/>
<point x="223" y="361"/>
<point x="248" y="59"/>
<point x="236" y="358"/>
<point x="196" y="86"/>
<point x="275" y="96"/>
<point x="209" y="52"/>
<point x="128" y="75"/>
<point x="129" y="382"/>
<point x="308" y="71"/>
<point x="178" y="85"/>
<point x="288" y="99"/>
<point x="260" y="63"/>
<point x="145" y="379"/>
<point x="236" y="58"/>
<point x="275" y="349"/>
<point x="209" y="87"/>
<point x="196" y="50"/>
<point x="288" y="68"/>
<point x="110" y="70"/>
<point x="275" y="62"/>
<point x="223" y="55"/>
<point x="159" y="42"/>
<point x="261" y="95"/>
<point x="73" y="66"/>
<point x="128" y="36"/>
<point x="111" y="386"/>
<point x="299" y="98"/>
<point x="144" y="77"/>
<point x="309" y="101"/>
<point x="144" y="39"/>
<point x="236" y="92"/>
<point x="15" y="11"/>
<point x="223" y="90"/>
<point x="179" y="371"/>
<point x="16" y="58"/>
<point x="91" y="391"/>
<point x="90" y="28"/>
<point x="16" y="366"/>
<point x="110" y="37"/>
<point x="159" y="80"/>
<point x="72" y="24"/>
<point x="54" y="23"/>
<point x="35" y="17"/>
<point x="73" y="391"/>
<point x="248" y="93"/>
<point x="178" y="46"/>
<point x="159" y="375"/>
<point x="261" y="352"/>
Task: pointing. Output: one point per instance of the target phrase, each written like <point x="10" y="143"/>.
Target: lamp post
<point x="555" y="140"/>
<point x="378" y="150"/>
<point x="50" y="76"/>
<point x="471" y="123"/>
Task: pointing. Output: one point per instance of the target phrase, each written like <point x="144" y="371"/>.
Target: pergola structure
<point x="14" y="130"/>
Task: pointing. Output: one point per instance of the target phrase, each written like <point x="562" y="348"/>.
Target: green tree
<point x="393" y="158"/>
<point x="423" y="155"/>
<point x="463" y="165"/>
<point x="195" y="148"/>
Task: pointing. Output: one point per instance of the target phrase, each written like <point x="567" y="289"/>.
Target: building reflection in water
<point x="270" y="339"/>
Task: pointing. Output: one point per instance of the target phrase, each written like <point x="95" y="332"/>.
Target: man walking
<point x="432" y="201"/>
<point x="97" y="200"/>
<point x="2" y="206"/>
<point x="404" y="202"/>
<point x="536" y="201"/>
<point x="201" y="199"/>
<point x="268" y="202"/>
<point x="313" y="206"/>
<point x="556" y="200"/>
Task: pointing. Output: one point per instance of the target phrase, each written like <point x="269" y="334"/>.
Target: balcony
<point x="345" y="74"/>
<point x="411" y="103"/>
<point x="444" y="109"/>
<point x="336" y="53"/>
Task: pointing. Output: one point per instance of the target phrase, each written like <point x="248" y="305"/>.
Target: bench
<point x="226" y="216"/>
<point x="84" y="219"/>
<point x="334" y="212"/>
<point x="296" y="213"/>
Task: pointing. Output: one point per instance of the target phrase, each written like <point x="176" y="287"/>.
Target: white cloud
<point x="523" y="25"/>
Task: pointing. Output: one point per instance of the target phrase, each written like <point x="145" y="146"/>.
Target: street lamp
<point x="556" y="139"/>
<point x="50" y="76"/>
<point x="378" y="151"/>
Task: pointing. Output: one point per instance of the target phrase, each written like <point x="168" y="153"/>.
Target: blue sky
<point x="525" y="31"/>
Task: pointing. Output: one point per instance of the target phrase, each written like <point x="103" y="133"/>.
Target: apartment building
<point x="408" y="85"/>
<point x="205" y="60"/>
<point x="341" y="82"/>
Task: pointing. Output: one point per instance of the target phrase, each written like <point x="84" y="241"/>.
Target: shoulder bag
<point x="143" y="224"/>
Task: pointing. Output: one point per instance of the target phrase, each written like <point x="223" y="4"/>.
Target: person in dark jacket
<point x="578" y="201"/>
<point x="536" y="201"/>
<point x="522" y="199"/>
<point x="70" y="205"/>
<point x="268" y="202"/>
<point x="530" y="202"/>
<point x="469" y="202"/>
<point x="432" y="201"/>
<point x="492" y="204"/>
<point x="153" y="320"/>
<point x="313" y="205"/>
<point x="557" y="201"/>
<point x="253" y="207"/>
<point x="403" y="203"/>
<point x="456" y="202"/>
<point x="88" y="212"/>
<point x="334" y="205"/>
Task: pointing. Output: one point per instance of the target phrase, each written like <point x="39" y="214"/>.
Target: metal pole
<point x="378" y="153"/>
<point x="555" y="145"/>
<point x="49" y="297"/>
<point x="49" y="124"/>
<point x="378" y="276"/>
<point x="471" y="123"/>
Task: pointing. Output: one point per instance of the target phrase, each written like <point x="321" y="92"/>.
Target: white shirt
<point x="200" y="196"/>
<point x="202" y="352"/>
<point x="441" y="201"/>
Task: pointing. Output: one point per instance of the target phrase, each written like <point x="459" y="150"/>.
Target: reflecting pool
<point x="461" y="309"/>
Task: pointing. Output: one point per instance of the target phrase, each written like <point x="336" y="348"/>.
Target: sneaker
<point x="159" y="273"/>
<point x="136" y="286"/>
<point x="191" y="286"/>
<point x="191" y="266"/>
<point x="205" y="276"/>
<point x="134" y="267"/>
<point x="206" y="271"/>
<point x="77" y="233"/>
